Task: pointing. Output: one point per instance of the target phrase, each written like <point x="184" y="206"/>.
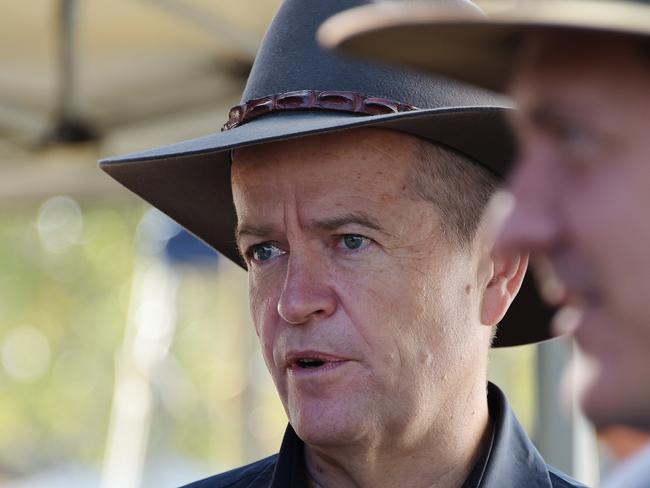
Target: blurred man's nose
<point x="533" y="224"/>
<point x="307" y="293"/>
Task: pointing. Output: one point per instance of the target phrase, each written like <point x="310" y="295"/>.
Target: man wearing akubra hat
<point x="352" y="195"/>
<point x="580" y="73"/>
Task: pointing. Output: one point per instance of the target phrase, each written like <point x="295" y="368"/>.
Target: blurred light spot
<point x="133" y="398"/>
<point x="25" y="354"/>
<point x="59" y="224"/>
<point x="264" y="424"/>
<point x="147" y="355"/>
<point x="258" y="373"/>
<point x="177" y="393"/>
<point x="78" y="370"/>
<point x="154" y="231"/>
<point x="230" y="380"/>
<point x="152" y="320"/>
<point x="155" y="326"/>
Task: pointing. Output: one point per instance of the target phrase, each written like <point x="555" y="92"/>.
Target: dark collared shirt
<point x="510" y="461"/>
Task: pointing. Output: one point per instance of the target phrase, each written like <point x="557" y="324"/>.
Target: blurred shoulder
<point x="253" y="475"/>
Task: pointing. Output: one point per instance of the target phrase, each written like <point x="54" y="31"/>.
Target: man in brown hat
<point x="352" y="194"/>
<point x="580" y="73"/>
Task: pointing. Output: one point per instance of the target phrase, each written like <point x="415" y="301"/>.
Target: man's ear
<point x="508" y="270"/>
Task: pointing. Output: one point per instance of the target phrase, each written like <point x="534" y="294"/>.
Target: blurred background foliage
<point x="64" y="290"/>
<point x="65" y="294"/>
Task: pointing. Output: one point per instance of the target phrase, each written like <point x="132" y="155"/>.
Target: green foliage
<point x="64" y="307"/>
<point x="62" y="314"/>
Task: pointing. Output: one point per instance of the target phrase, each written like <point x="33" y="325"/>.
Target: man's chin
<point x="608" y="402"/>
<point x="603" y="414"/>
<point x="318" y="425"/>
<point x="326" y="438"/>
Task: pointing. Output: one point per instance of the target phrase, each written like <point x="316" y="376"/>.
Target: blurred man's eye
<point x="354" y="242"/>
<point x="574" y="135"/>
<point x="264" y="252"/>
<point x="577" y="142"/>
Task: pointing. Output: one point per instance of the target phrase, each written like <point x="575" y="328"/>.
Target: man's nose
<point x="534" y="222"/>
<point x="307" y="293"/>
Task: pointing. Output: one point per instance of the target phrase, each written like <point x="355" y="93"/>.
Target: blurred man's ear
<point x="502" y="288"/>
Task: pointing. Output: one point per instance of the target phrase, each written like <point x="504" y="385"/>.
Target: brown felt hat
<point x="297" y="89"/>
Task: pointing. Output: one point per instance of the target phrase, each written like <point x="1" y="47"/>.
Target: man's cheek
<point x="263" y="300"/>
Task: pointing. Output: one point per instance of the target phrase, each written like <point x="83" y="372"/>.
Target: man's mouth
<point x="578" y="290"/>
<point x="573" y="308"/>
<point x="583" y="298"/>
<point x="312" y="361"/>
<point x="309" y="363"/>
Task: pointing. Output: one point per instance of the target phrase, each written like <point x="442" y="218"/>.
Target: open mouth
<point x="313" y="362"/>
<point x="306" y="363"/>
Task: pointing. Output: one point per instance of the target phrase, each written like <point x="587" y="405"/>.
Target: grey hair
<point x="459" y="187"/>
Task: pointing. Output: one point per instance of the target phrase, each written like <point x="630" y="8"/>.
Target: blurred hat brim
<point x="467" y="44"/>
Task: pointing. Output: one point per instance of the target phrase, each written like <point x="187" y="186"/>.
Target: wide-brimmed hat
<point x="298" y="89"/>
<point x="449" y="38"/>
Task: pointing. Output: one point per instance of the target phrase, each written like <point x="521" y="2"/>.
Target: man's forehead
<point x="565" y="68"/>
<point x="358" y="142"/>
<point x="362" y="164"/>
<point x="324" y="185"/>
<point x="557" y="54"/>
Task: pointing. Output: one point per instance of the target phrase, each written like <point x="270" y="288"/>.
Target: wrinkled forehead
<point x="356" y="160"/>
<point x="391" y="143"/>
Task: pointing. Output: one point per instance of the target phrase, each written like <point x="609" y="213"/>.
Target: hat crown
<point x="290" y="59"/>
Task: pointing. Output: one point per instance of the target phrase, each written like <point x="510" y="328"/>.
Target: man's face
<point x="366" y="312"/>
<point x="582" y="191"/>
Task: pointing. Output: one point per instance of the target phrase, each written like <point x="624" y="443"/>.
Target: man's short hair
<point x="459" y="187"/>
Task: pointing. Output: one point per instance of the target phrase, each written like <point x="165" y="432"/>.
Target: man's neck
<point x="441" y="457"/>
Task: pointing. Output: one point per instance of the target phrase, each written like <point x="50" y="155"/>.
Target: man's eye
<point x="264" y="252"/>
<point x="354" y="241"/>
<point x="578" y="145"/>
<point x="574" y="135"/>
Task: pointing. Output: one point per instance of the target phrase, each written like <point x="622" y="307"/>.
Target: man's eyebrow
<point x="358" y="218"/>
<point x="548" y="113"/>
<point x="252" y="230"/>
<point x="330" y="224"/>
<point x="544" y="115"/>
<point x="536" y="115"/>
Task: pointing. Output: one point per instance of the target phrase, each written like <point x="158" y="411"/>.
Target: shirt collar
<point x="513" y="461"/>
<point x="290" y="469"/>
<point x="510" y="461"/>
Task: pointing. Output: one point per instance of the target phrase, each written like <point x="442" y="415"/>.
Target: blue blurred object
<point x="157" y="234"/>
<point x="185" y="248"/>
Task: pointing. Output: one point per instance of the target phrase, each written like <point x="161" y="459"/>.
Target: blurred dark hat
<point x="450" y="38"/>
<point x="298" y="89"/>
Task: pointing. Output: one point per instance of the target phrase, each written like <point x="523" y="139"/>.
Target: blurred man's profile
<point x="580" y="74"/>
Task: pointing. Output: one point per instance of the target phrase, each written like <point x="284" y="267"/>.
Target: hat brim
<point x="467" y="45"/>
<point x="190" y="181"/>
